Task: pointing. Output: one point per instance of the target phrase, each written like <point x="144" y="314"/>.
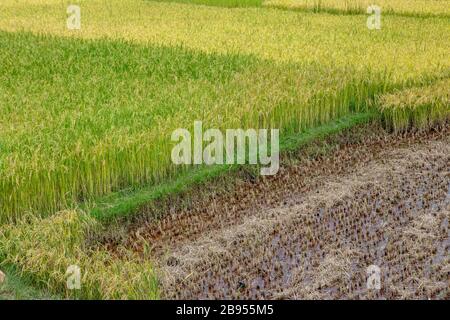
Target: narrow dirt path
<point x="313" y="230"/>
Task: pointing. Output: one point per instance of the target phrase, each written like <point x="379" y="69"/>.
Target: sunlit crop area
<point x="417" y="108"/>
<point x="87" y="113"/>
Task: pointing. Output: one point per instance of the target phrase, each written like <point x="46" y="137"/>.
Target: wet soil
<point x="362" y="207"/>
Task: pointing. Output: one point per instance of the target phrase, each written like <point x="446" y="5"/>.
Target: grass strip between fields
<point x="405" y="8"/>
<point x="220" y="3"/>
<point x="358" y="12"/>
<point x="126" y="203"/>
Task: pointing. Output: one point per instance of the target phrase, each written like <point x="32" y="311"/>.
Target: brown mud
<point x="363" y="198"/>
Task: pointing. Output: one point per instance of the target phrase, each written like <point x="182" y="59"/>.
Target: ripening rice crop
<point x="417" y="108"/>
<point x="88" y="112"/>
<point x="405" y="7"/>
<point x="408" y="48"/>
<point x="46" y="248"/>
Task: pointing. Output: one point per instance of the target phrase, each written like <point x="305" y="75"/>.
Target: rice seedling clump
<point x="417" y="108"/>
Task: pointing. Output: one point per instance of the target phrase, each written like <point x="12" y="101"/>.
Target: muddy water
<point x="313" y="231"/>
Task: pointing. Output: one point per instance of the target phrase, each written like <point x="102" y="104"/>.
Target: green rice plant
<point x="44" y="249"/>
<point x="417" y="108"/>
<point x="82" y="117"/>
<point x="17" y="287"/>
<point x="401" y="7"/>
